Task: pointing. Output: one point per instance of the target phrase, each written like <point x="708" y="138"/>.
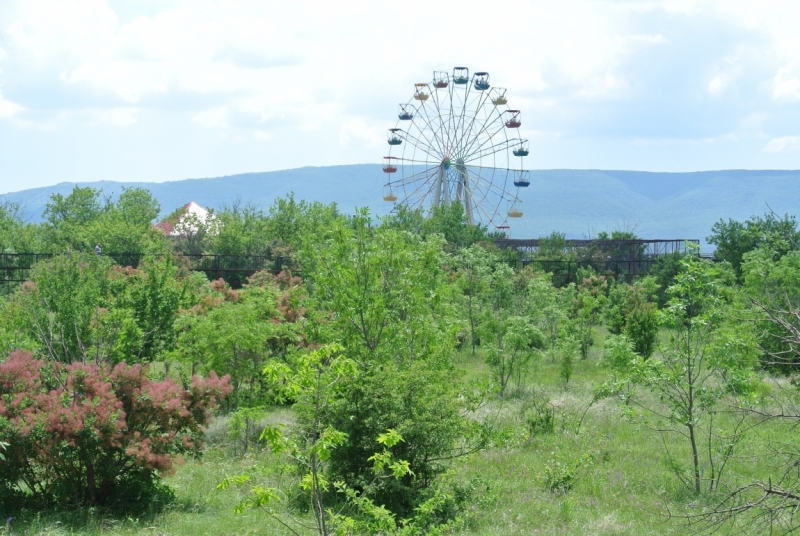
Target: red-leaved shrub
<point x="85" y="434"/>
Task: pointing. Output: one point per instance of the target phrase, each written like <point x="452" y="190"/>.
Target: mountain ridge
<point x="577" y="202"/>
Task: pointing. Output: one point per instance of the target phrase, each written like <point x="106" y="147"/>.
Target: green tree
<point x="82" y="219"/>
<point x="664" y="270"/>
<point x="82" y="308"/>
<point x="511" y="342"/>
<point x="69" y="221"/>
<point x="126" y="226"/>
<point x="240" y="332"/>
<point x="474" y="265"/>
<point x="548" y="309"/>
<point x="293" y="222"/>
<point x="708" y="359"/>
<point x="771" y="288"/>
<point x="734" y="239"/>
<point x="629" y="310"/>
<point x="590" y="299"/>
<point x="383" y="287"/>
<point x="16" y="236"/>
<point x="385" y="292"/>
<point x="451" y="222"/>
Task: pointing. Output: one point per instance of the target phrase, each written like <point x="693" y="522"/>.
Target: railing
<point x="634" y="248"/>
<point x="565" y="272"/>
<point x="16" y="267"/>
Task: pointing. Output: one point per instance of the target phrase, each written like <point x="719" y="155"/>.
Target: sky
<point x="158" y="90"/>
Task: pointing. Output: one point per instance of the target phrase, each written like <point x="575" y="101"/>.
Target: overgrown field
<point x="403" y="377"/>
<point x="624" y="486"/>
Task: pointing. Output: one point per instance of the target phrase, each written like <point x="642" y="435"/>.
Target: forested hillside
<point x="400" y="375"/>
<point x="580" y="203"/>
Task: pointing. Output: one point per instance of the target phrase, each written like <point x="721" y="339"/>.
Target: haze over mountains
<point x="579" y="203"/>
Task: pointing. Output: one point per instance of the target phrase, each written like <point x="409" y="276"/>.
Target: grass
<point x="615" y="466"/>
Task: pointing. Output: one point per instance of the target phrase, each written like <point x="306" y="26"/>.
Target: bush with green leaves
<point x="630" y="310"/>
<point x="641" y="328"/>
<point x="81" y="307"/>
<point x="618" y="353"/>
<point x="238" y="332"/>
<point x="561" y="476"/>
<point x="422" y="402"/>
<point x="538" y="414"/>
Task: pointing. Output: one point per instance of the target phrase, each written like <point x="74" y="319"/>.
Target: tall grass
<point x="613" y="474"/>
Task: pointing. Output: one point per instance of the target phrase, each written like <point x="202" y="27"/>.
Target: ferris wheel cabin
<point x="460" y="75"/>
<point x="393" y="138"/>
<point x="481" y="81"/>
<point x="389" y="164"/>
<point x="522" y="178"/>
<point x="440" y="79"/>
<point x="521" y="149"/>
<point x="406" y="112"/>
<point x="421" y="91"/>
<point x="498" y="96"/>
<point x="515" y="208"/>
<point x="513" y="120"/>
<point x="388" y="194"/>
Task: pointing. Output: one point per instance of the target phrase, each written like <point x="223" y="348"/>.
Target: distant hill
<point x="577" y="202"/>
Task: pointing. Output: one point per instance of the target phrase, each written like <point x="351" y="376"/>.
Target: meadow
<point x="400" y="377"/>
<point x="625" y="488"/>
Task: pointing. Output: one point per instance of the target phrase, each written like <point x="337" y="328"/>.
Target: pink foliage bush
<point x="87" y="434"/>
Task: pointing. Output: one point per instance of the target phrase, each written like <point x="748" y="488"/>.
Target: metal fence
<point x="16" y="267"/>
<point x="628" y="249"/>
<point x="565" y="272"/>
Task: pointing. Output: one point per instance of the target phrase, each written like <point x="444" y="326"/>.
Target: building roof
<point x="186" y="220"/>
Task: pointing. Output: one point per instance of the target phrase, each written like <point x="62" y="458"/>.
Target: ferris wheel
<point x="456" y="140"/>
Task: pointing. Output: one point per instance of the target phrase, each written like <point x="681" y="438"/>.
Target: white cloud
<point x="786" y="86"/>
<point x="785" y="143"/>
<point x="119" y="117"/>
<point x="359" y="131"/>
<point x="213" y="118"/>
<point x="263" y="135"/>
<point x="8" y="109"/>
<point x="331" y="75"/>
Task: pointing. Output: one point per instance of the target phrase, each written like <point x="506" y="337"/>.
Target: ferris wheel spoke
<point x="423" y="138"/>
<point x="468" y="130"/>
<point x="484" y="129"/>
<point x="414" y="161"/>
<point x="459" y="126"/>
<point x="487" y="151"/>
<point x="419" y="175"/>
<point x="479" y="194"/>
<point x="444" y="132"/>
<point x="423" y="189"/>
<point x="490" y="188"/>
<point x="491" y="185"/>
<point x="481" y="191"/>
<point x="417" y="143"/>
<point x="433" y="130"/>
<point x="478" y="203"/>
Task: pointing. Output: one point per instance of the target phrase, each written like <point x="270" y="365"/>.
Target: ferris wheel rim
<point x="456" y="145"/>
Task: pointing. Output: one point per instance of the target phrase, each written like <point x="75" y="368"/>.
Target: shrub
<point x="538" y="414"/>
<point x="87" y="435"/>
<point x="560" y="477"/>
<point x="420" y="402"/>
<point x="618" y="353"/>
<point x="642" y="328"/>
